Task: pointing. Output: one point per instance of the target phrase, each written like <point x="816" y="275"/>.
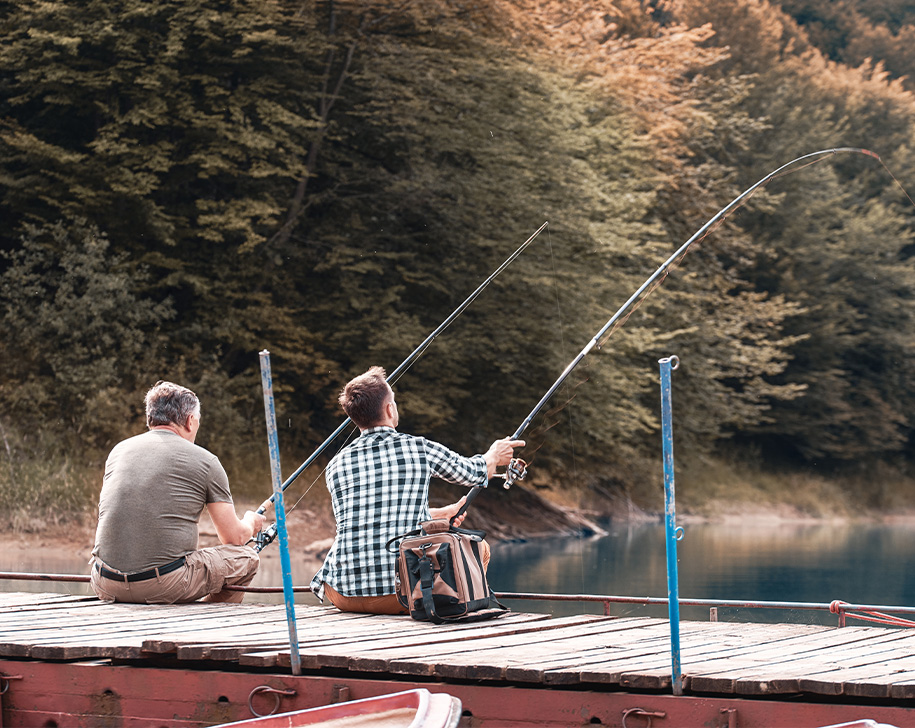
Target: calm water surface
<point x="864" y="564"/>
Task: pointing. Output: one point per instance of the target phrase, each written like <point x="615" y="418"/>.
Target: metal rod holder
<point x="280" y="510"/>
<point x="672" y="532"/>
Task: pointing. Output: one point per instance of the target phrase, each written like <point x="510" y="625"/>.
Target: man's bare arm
<point x="230" y="528"/>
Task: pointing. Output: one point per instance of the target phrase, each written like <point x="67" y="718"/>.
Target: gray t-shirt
<point x="156" y="485"/>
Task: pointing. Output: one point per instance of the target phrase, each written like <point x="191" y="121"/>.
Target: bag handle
<point x="401" y="537"/>
<point x="422" y="531"/>
<point x="472" y="533"/>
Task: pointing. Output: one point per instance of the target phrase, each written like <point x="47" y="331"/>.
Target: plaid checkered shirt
<point x="379" y="487"/>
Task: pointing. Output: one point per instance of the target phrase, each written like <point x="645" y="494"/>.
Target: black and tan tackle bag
<point x="440" y="575"/>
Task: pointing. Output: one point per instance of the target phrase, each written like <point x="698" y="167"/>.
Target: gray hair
<point x="170" y="404"/>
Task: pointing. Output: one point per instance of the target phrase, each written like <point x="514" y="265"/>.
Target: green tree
<point x="834" y="242"/>
<point x="80" y="338"/>
<point x="180" y="129"/>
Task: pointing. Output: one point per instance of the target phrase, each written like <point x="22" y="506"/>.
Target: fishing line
<point x="652" y="283"/>
<point x="567" y="409"/>
<point x="898" y="183"/>
<point x="717" y="222"/>
<point x="265" y="537"/>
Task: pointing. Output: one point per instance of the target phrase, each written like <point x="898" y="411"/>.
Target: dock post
<point x="280" y="509"/>
<point x="673" y="534"/>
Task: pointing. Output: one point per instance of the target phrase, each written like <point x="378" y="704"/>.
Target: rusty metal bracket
<point x="5" y="682"/>
<point x="277" y="694"/>
<point x="642" y="713"/>
<point x="339" y="694"/>
<point x="4" y="688"/>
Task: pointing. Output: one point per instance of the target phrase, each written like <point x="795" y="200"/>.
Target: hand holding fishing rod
<point x="513" y="474"/>
<point x="265" y="537"/>
<point x="501" y="452"/>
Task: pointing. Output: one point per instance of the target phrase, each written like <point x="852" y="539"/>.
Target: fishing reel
<point x="515" y="471"/>
<point x="265" y="537"/>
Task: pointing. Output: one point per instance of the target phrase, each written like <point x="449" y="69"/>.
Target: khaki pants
<point x="387" y="603"/>
<point x="205" y="575"/>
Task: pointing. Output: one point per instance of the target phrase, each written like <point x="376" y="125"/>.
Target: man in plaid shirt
<point x="379" y="487"/>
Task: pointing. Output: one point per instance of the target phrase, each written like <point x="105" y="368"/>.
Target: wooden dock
<point x="721" y="661"/>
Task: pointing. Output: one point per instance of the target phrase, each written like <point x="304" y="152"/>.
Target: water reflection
<point x="34" y="561"/>
<point x="865" y="564"/>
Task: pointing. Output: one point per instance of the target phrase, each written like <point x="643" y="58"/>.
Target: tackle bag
<point x="440" y="575"/>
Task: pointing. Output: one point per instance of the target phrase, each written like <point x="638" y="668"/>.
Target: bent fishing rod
<point x="263" y="538"/>
<point x="517" y="468"/>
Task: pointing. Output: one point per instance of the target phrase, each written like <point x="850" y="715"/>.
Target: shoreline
<point x="310" y="537"/>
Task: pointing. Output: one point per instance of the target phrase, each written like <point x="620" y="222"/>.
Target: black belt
<point x="141" y="575"/>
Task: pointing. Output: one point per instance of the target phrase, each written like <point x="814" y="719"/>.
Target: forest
<point x="184" y="184"/>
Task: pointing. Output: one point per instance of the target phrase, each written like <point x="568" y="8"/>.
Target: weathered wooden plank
<point x="653" y="670"/>
<point x="727" y="657"/>
<point x="486" y="654"/>
<point x="572" y="660"/>
<point x="269" y="658"/>
<point x="12" y="602"/>
<point x="366" y="628"/>
<point x="766" y="668"/>
<point x="585" y="663"/>
<point x="856" y="670"/>
<point x="637" y="666"/>
<point x="98" y="637"/>
<point x="129" y="632"/>
<point x="902" y="687"/>
<point x="368" y="634"/>
<point x="497" y="652"/>
<point x="204" y="645"/>
<point x="783" y="673"/>
<point x="253" y="629"/>
<point x="722" y="641"/>
<point x="871" y="681"/>
<point x="612" y="663"/>
<point x="111" y="620"/>
<point x="365" y="657"/>
<point x="343" y="652"/>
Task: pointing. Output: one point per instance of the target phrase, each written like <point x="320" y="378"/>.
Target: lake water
<point x="862" y="564"/>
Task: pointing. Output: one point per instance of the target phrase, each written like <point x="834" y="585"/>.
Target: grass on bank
<point x="715" y="487"/>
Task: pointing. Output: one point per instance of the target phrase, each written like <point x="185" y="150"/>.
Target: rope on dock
<point x="837" y="606"/>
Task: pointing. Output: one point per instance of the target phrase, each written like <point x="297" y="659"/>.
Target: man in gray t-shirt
<point x="155" y="488"/>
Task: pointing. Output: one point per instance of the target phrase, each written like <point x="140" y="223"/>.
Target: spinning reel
<point x="264" y="538"/>
<point x="515" y="471"/>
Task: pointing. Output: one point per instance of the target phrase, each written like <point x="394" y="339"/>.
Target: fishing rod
<point x="263" y="538"/>
<point x="517" y="468"/>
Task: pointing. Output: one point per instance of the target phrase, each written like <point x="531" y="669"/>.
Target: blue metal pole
<point x="285" y="563"/>
<point x="673" y="534"/>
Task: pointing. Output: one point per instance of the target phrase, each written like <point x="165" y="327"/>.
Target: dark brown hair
<point x="363" y="398"/>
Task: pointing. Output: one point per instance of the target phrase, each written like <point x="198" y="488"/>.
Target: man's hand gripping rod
<point x="600" y="337"/>
<point x="266" y="536"/>
<point x="515" y="471"/>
